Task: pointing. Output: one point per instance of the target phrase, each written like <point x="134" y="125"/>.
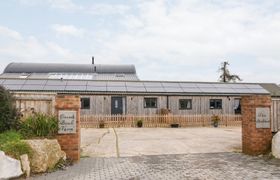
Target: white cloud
<point x="68" y="30"/>
<point x="4" y="31"/>
<point x="180" y="39"/>
<point x="197" y="34"/>
<point x="107" y="9"/>
<point x="58" y="49"/>
<point x="67" y="5"/>
<point x="64" y="4"/>
<point x="30" y="49"/>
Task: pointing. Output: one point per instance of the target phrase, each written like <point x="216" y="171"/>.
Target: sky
<point x="176" y="40"/>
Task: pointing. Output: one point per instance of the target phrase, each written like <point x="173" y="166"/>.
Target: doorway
<point x="117" y="105"/>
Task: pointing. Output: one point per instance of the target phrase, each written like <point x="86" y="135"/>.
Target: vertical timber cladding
<point x="256" y="131"/>
<point x="69" y="134"/>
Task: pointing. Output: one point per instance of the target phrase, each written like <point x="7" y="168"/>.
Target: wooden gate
<point x="275" y="115"/>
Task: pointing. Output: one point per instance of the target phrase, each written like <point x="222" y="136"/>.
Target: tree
<point x="8" y="114"/>
<point x="226" y="76"/>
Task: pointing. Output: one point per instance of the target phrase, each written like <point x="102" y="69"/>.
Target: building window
<point x="185" y="104"/>
<point x="150" y="102"/>
<point x="216" y="104"/>
<point x="85" y="103"/>
<point x="237" y="106"/>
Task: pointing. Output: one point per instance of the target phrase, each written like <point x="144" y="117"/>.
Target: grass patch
<point x="9" y="136"/>
<point x="12" y="145"/>
<point x="84" y="156"/>
<point x="17" y="148"/>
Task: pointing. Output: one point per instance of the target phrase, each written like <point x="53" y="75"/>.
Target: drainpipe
<point x="167" y="102"/>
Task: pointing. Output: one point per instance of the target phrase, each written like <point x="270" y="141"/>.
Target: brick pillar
<point x="255" y="141"/>
<point x="70" y="143"/>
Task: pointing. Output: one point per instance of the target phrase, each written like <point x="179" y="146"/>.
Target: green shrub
<point x="9" y="136"/>
<point x="139" y="123"/>
<point x="16" y="148"/>
<point x="8" y="114"/>
<point x="39" y="125"/>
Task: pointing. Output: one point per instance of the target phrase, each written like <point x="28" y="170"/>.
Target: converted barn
<point x="116" y="89"/>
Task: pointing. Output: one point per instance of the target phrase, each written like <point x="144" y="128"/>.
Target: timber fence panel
<point x="163" y="121"/>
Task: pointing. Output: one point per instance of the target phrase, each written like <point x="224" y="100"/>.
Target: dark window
<point x="216" y="104"/>
<point x="85" y="103"/>
<point x="185" y="104"/>
<point x="237" y="106"/>
<point x="150" y="102"/>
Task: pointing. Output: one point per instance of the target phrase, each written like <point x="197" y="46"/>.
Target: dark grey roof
<point x="84" y="76"/>
<point x="274" y="89"/>
<point x="143" y="87"/>
<point x="68" y="68"/>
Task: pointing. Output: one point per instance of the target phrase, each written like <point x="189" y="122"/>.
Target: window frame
<point x="238" y="110"/>
<point x="150" y="98"/>
<point x="83" y="105"/>
<point x="186" y="104"/>
<point x="216" y="104"/>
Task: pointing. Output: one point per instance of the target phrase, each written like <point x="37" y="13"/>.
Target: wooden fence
<point x="109" y="121"/>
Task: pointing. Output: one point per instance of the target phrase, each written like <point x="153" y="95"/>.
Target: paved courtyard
<point x="184" y="166"/>
<point x="158" y="153"/>
<point x="124" y="142"/>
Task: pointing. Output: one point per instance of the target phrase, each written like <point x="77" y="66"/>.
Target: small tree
<point x="226" y="76"/>
<point x="8" y="114"/>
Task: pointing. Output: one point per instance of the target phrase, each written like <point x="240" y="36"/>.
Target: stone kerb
<point x="69" y="141"/>
<point x="256" y="138"/>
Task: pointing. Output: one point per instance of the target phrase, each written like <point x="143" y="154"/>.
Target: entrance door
<point x="116" y="105"/>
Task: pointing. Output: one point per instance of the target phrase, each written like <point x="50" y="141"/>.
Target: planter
<point x="139" y="124"/>
<point x="175" y="125"/>
<point x="215" y="124"/>
<point x="101" y="125"/>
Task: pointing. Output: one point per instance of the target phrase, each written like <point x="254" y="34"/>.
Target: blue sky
<point x="165" y="39"/>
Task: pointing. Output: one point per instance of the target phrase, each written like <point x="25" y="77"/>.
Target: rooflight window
<point x="83" y="76"/>
<point x="119" y="75"/>
<point x="23" y="76"/>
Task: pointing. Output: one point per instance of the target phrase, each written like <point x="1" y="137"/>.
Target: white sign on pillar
<point x="67" y="122"/>
<point x="262" y="118"/>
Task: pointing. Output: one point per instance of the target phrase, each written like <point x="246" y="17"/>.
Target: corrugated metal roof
<point x="159" y="87"/>
<point x="274" y="89"/>
<point x="81" y="76"/>
<point x="68" y="68"/>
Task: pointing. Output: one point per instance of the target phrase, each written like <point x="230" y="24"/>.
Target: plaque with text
<point x="67" y="122"/>
<point x="262" y="118"/>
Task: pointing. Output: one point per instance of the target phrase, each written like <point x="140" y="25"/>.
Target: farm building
<point x="116" y="89"/>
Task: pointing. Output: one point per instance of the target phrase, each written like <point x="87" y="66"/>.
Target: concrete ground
<point x="124" y="142"/>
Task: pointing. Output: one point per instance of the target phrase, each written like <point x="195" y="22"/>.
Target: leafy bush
<point x="39" y="125"/>
<point x="16" y="148"/>
<point x="8" y="114"/>
<point x="9" y="136"/>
